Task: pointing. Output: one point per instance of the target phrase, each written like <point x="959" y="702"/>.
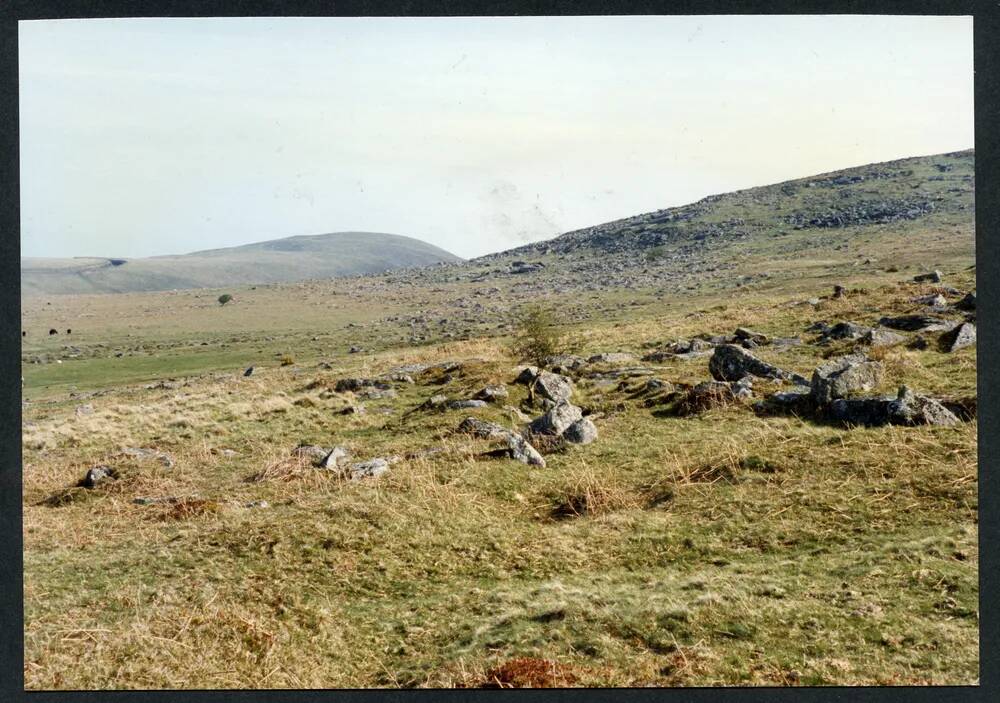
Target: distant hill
<point x="274" y="261"/>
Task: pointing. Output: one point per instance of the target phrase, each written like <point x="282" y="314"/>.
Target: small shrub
<point x="224" y="298"/>
<point x="536" y="336"/>
<point x="287" y="360"/>
<point x="656" y="253"/>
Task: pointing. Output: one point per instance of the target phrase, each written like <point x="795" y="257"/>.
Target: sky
<point x="143" y="137"/>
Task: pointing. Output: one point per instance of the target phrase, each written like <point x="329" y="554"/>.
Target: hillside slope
<point x="280" y="260"/>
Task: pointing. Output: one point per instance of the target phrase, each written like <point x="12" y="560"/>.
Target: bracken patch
<point x="530" y="672"/>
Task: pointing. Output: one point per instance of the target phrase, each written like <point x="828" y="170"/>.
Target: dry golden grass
<point x="717" y="549"/>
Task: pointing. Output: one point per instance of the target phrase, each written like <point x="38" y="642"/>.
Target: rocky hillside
<point x="274" y="261"/>
<point x="846" y="219"/>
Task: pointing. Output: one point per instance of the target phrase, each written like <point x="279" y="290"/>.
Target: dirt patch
<point x="529" y="672"/>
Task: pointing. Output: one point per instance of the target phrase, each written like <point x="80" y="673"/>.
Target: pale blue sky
<point x="158" y="136"/>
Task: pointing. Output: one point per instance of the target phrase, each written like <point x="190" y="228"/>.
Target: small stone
<point x="611" y="358"/>
<point x="967" y="303"/>
<point x="932" y="277"/>
<point x="98" y="475"/>
<point x="310" y="451"/>
<point x="461" y="404"/>
<point x="373" y="468"/>
<point x="334" y="458"/>
<point x="881" y="337"/>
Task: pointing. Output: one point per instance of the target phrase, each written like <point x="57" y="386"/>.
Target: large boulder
<point x="911" y="409"/>
<point x="907" y="408"/>
<point x="582" y="431"/>
<point x="731" y="363"/>
<point x="557" y="419"/>
<point x="958" y="338"/>
<point x="552" y="386"/>
<point x="845" y="376"/>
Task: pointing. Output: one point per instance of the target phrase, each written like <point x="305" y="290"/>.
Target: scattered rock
<point x="527" y="375"/>
<point x="962" y="336"/>
<point x="334" y="458"/>
<point x="356" y="384"/>
<point x="881" y="337"/>
<point x="557" y="419"/>
<point x="517" y="447"/>
<point x="932" y="277"/>
<point x="144" y="454"/>
<point x="482" y="429"/>
<point x="839" y="291"/>
<point x="786" y="403"/>
<point x="378" y="393"/>
<point x="310" y="451"/>
<point x="911" y="409"/>
<point x="248" y="372"/>
<point x="98" y="475"/>
<point x="460" y="404"/>
<point x="552" y="386"/>
<point x="967" y="303"/>
<point x="743" y="334"/>
<point x="935" y="301"/>
<point x="492" y="394"/>
<point x="612" y="358"/>
<point x="731" y="363"/>
<point x="908" y="408"/>
<point x="583" y="431"/>
<point x="562" y="363"/>
<point x="373" y="468"/>
<point x="844" y="330"/>
<point x="915" y="323"/>
<point x="85" y="409"/>
<point x="845" y="376"/>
